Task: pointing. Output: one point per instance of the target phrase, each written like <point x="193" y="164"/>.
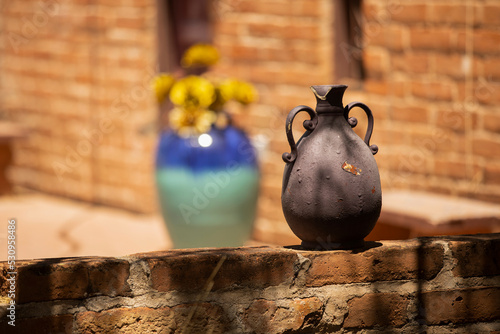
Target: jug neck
<point x="329" y="98"/>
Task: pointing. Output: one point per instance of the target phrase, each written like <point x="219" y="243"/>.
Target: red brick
<point x="227" y="28"/>
<point x="491" y="14"/>
<point x="370" y="10"/>
<point x="270" y="188"/>
<point x="425" y="38"/>
<point x="259" y="316"/>
<point x="304" y="76"/>
<point x="448" y="13"/>
<point x="437" y="140"/>
<point x="389" y="136"/>
<point x="269" y="210"/>
<point x="45" y="325"/>
<point x="57" y="279"/>
<point x="411" y="13"/>
<point x="376" y="87"/>
<point x="390" y="36"/>
<point x="294" y="76"/>
<point x="410" y="113"/>
<point x="379" y="109"/>
<point x="57" y="87"/>
<point x="399" y="87"/>
<point x="416" y="161"/>
<point x="483" y="249"/>
<point x="292" y="31"/>
<point x="454" y="169"/>
<point x="375" y="61"/>
<point x="299" y="8"/>
<point x="487" y="92"/>
<point x="131" y="23"/>
<point x="492" y="174"/>
<point x="485" y="147"/>
<point x="484" y="41"/>
<point x="288" y="54"/>
<point x="264" y="316"/>
<point x="206" y="317"/>
<point x="377" y="309"/>
<point x="432" y="90"/>
<point x="492" y="67"/>
<point x="456" y="120"/>
<point x="385" y="263"/>
<point x="309" y="55"/>
<point x="461" y="305"/>
<point x="454" y="65"/>
<point x="108" y="277"/>
<point x="414" y="62"/>
<point x="249" y="267"/>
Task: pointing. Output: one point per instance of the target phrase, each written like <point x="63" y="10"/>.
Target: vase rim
<point x="321" y="91"/>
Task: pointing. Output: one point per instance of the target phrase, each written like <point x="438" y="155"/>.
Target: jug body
<point x="331" y="194"/>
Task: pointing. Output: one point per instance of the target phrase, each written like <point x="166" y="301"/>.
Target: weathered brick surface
<point x="395" y="286"/>
<point x="57" y="324"/>
<point x="377" y="309"/>
<point x="264" y="316"/>
<point x="461" y="305"/>
<point x="381" y="263"/>
<point x="485" y="254"/>
<point x="58" y="279"/>
<point x="246" y="267"/>
<point x="193" y="318"/>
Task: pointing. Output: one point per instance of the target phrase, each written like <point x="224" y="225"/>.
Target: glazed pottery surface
<point x="208" y="187"/>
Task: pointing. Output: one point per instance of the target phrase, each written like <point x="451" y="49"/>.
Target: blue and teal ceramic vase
<point x="208" y="187"/>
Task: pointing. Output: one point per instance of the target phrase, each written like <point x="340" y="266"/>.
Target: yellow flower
<point x="220" y="98"/>
<point x="227" y="89"/>
<point x="187" y="122"/>
<point x="193" y="92"/>
<point x="240" y="91"/>
<point x="245" y="93"/>
<point x="200" y="55"/>
<point x="162" y="83"/>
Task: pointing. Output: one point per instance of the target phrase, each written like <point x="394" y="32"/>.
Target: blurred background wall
<point x="77" y="74"/>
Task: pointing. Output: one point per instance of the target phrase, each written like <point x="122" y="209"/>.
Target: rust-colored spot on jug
<point x="351" y="169"/>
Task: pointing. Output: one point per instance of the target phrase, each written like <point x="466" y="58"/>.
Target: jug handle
<point x="309" y="124"/>
<point x="353" y="122"/>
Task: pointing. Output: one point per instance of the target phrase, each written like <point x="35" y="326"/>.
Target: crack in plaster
<point x="300" y="268"/>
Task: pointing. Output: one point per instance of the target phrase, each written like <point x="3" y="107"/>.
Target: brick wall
<point x="73" y="70"/>
<point x="434" y="86"/>
<point x="77" y="74"/>
<point x="433" y="285"/>
<point x="431" y="80"/>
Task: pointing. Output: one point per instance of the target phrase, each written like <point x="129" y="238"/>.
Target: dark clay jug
<point x="331" y="194"/>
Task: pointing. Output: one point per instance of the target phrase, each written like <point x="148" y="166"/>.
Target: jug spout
<point x="329" y="97"/>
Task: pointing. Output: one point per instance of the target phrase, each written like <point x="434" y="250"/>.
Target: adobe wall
<point x="436" y="285"/>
